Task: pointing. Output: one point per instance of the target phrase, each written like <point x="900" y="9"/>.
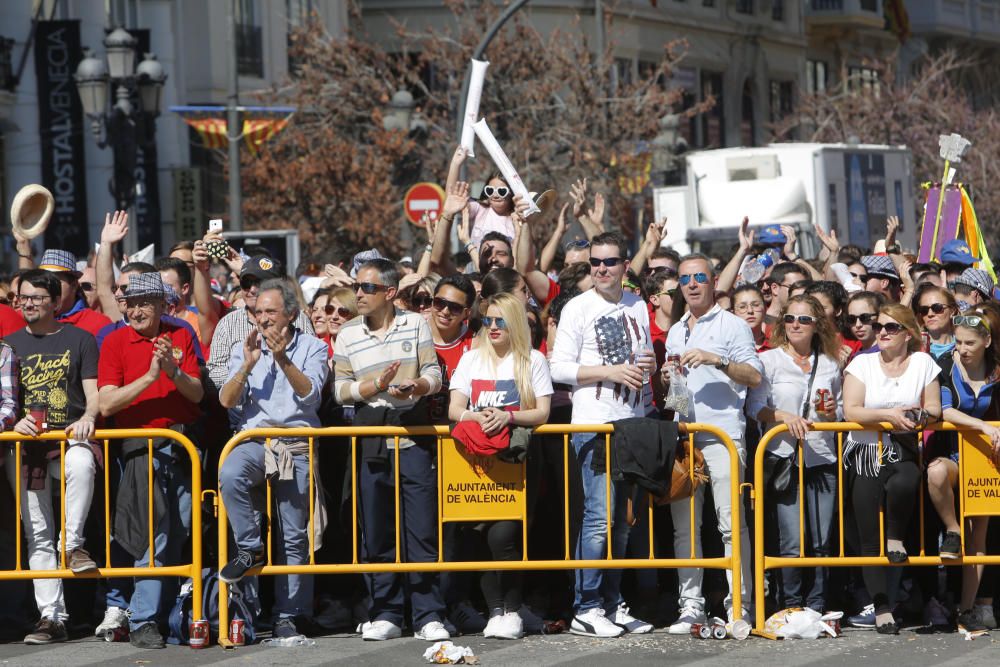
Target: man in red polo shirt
<point x="72" y="308"/>
<point x="148" y="377"/>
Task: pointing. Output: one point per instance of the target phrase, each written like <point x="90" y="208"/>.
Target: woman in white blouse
<point x="801" y="385"/>
<point x="896" y="385"/>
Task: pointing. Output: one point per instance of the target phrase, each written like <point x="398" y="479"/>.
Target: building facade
<point x="753" y="56"/>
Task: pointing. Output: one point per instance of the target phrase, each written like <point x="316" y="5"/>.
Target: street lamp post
<point x="402" y="114"/>
<point x="123" y="127"/>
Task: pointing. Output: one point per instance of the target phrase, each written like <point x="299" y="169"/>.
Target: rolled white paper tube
<point x="503" y="164"/>
<point x="476" y="80"/>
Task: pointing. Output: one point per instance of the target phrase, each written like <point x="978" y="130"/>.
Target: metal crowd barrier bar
<point x="103" y="437"/>
<point x="970" y="448"/>
<point x="444" y="441"/>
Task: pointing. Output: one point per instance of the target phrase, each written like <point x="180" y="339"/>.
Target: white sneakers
<point x="114" y="617"/>
<point x="632" y="625"/>
<point x="505" y="626"/>
<point x="689" y="616"/>
<point x="432" y="631"/>
<point x="593" y="623"/>
<point x="377" y="631"/>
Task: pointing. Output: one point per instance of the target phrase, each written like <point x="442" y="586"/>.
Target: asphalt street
<point x="856" y="647"/>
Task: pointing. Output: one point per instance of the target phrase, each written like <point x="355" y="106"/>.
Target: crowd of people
<point x="208" y="341"/>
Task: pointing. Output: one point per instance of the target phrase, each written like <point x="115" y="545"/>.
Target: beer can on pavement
<point x="118" y="634"/>
<point x="834" y="624"/>
<point x="718" y="631"/>
<point x="199" y="634"/>
<point x="236" y="634"/>
<point x="701" y="630"/>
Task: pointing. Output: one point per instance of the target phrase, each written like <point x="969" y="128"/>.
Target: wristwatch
<point x="723" y="363"/>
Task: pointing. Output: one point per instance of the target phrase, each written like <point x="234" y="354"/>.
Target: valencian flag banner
<point x="259" y="124"/>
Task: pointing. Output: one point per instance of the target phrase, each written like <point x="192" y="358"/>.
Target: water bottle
<point x="755" y="268"/>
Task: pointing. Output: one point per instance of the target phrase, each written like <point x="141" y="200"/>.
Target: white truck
<point x="850" y="188"/>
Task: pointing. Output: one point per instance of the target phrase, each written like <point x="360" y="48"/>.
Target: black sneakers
<point x="238" y="567"/>
<point x="951" y="545"/>
<point x="146" y="636"/>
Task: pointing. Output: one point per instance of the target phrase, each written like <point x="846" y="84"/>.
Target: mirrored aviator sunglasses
<point x="700" y="278"/>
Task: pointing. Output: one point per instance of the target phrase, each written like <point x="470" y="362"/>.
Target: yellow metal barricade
<point x="501" y="487"/>
<point x="103" y="437"/>
<point x="978" y="489"/>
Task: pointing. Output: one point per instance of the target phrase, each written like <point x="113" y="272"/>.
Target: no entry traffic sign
<point x="423" y="198"/>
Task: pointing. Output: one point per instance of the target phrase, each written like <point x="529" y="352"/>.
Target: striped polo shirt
<point x="359" y="355"/>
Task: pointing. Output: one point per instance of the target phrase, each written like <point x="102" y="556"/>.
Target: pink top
<point x="486" y="220"/>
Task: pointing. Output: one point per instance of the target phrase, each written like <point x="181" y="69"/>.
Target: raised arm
<point x="454" y="204"/>
<point x="209" y="308"/>
<point x="654" y="235"/>
<point x="548" y="256"/>
<point x="457" y="159"/>
<point x="729" y="274"/>
<point x="115" y="229"/>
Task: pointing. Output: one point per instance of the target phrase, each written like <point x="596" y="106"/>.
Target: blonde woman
<point x="502" y="383"/>
<point x="897" y="384"/>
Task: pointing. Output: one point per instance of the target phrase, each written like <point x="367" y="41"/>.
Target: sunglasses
<point x="938" y="308"/>
<point x="247" y="283"/>
<point x="971" y="321"/>
<point x="343" y="312"/>
<point x="804" y="320"/>
<point x="891" y="328"/>
<point x="669" y="292"/>
<point x="863" y="277"/>
<point x="607" y="261"/>
<point x="421" y="301"/>
<point x="368" y="288"/>
<point x="499" y="191"/>
<point x="866" y="318"/>
<point x="500" y="322"/>
<point x="628" y="285"/>
<point x="578" y="244"/>
<point x="442" y="304"/>
<point x="667" y="271"/>
<point x="87" y="287"/>
<point x="700" y="278"/>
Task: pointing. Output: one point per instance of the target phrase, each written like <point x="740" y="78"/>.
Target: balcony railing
<point x="842" y="5"/>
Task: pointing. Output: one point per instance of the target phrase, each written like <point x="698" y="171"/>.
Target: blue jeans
<point x="418" y="532"/>
<point x="242" y="484"/>
<point x="820" y="496"/>
<point x="598" y="588"/>
<point x="173" y="474"/>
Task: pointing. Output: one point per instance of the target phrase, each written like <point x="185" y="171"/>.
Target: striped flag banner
<point x="257" y="131"/>
<point x="211" y="130"/>
<point x="258" y="124"/>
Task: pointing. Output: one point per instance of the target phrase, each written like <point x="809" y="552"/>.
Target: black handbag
<point x="778" y="469"/>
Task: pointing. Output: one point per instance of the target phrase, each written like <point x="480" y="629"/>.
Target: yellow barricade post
<point x="979" y="491"/>
<point x="471" y="489"/>
<point x="103" y="438"/>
